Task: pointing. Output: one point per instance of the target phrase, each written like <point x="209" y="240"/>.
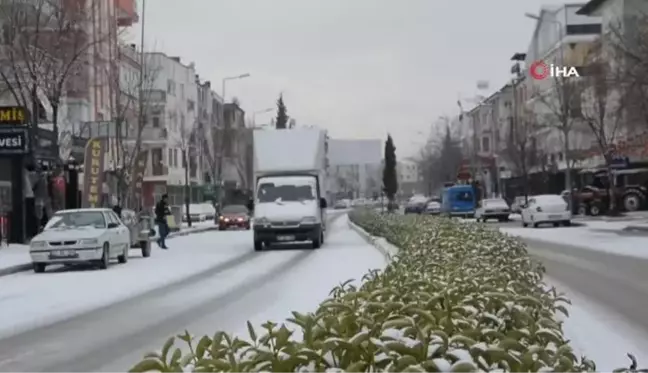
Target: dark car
<point x="234" y="216"/>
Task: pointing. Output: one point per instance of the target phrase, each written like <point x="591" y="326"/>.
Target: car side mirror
<point x="323" y="203"/>
<point x="112" y="225"/>
<point x="250" y="205"/>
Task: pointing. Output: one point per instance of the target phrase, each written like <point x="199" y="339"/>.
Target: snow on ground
<point x="586" y="238"/>
<point x="15" y="254"/>
<point x="600" y="333"/>
<point x="29" y="300"/>
<point x="346" y="255"/>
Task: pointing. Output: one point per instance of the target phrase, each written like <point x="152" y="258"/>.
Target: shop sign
<point x="93" y="172"/>
<point x="13" y="115"/>
<point x="14" y="141"/>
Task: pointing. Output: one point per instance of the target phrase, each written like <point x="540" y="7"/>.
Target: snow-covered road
<point x="231" y="284"/>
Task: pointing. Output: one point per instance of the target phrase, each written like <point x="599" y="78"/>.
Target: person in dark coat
<point x="162" y="210"/>
<point x="117" y="209"/>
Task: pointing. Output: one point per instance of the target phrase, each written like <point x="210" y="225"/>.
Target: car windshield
<point x="285" y="193"/>
<point x="77" y="219"/>
<point x="464" y="196"/>
<point x="494" y="202"/>
<point x="235" y="209"/>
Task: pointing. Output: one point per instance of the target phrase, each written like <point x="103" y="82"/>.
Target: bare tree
<point x="562" y="104"/>
<point x="520" y="149"/>
<point x="189" y="146"/>
<point x="47" y="51"/>
<point x="440" y="158"/>
<point x="132" y="111"/>
<point x="602" y="109"/>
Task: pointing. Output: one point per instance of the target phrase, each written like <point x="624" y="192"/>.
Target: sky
<point x="360" y="68"/>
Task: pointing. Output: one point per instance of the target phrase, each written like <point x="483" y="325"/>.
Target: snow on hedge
<point x="457" y="297"/>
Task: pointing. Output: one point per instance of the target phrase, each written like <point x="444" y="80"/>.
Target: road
<point x="617" y="282"/>
<point x="115" y="337"/>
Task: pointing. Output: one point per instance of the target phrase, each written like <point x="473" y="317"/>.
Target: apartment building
<point x="409" y="178"/>
<point x="170" y="132"/>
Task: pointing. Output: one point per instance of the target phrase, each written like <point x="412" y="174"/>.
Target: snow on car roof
<point x="89" y="209"/>
<point x="548" y="197"/>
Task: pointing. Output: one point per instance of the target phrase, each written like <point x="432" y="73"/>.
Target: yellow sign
<point x="93" y="173"/>
<point x="13" y="115"/>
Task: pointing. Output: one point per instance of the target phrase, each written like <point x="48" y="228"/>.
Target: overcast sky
<point x="359" y="68"/>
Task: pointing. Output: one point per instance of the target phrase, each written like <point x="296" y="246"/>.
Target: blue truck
<point x="458" y="200"/>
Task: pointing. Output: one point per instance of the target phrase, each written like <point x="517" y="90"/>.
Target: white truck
<point x="289" y="173"/>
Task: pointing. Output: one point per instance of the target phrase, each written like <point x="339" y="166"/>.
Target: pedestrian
<point x="117" y="208"/>
<point x="161" y="212"/>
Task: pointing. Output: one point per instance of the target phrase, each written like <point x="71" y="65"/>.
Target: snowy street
<point x="603" y="271"/>
<point x="106" y="321"/>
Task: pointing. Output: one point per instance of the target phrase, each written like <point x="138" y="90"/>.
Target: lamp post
<point x="254" y="114"/>
<point x="222" y="122"/>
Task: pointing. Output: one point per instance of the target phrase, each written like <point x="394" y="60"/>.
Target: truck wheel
<point x="594" y="210"/>
<point x="632" y="202"/>
<point x="146" y="248"/>
<point x="582" y="210"/>
<point x="317" y="243"/>
<point x="39" y="267"/>
<point x="258" y="245"/>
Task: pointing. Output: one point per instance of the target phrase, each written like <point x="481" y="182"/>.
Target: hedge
<point x="458" y="297"/>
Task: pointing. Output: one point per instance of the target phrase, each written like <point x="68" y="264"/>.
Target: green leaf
<point x="202" y="346"/>
<point x="464" y="366"/>
<point x="251" y="331"/>
<point x="165" y="349"/>
<point x="148" y="365"/>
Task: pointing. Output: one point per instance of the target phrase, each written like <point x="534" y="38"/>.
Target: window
<point x="585" y="29"/>
<point x="170" y="158"/>
<point x="77" y="219"/>
<point x="485" y="144"/>
<point x="156" y="121"/>
<point x="171" y="87"/>
<point x="465" y="196"/>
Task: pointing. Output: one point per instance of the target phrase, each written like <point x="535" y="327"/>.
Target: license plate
<point x="63" y="253"/>
<point x="285" y="238"/>
<point x="555" y="216"/>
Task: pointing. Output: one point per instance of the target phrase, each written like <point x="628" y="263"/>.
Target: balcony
<point x="152" y="134"/>
<point x="126" y="11"/>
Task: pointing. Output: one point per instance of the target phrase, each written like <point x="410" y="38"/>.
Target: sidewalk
<point x="15" y="257"/>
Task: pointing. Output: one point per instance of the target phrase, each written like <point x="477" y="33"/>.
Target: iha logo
<point x="540" y="70"/>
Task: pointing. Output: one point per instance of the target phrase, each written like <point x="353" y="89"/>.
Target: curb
<point x="27" y="267"/>
<point x="636" y="228"/>
<point x="386" y="249"/>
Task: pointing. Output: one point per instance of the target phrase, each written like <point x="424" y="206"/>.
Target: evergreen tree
<point x="390" y="179"/>
<point x="282" y="114"/>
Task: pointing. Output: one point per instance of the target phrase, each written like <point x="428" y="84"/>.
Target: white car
<point x="433" y="208"/>
<point x="199" y="212"/>
<point x="546" y="209"/>
<point x="94" y="235"/>
<point x="494" y="208"/>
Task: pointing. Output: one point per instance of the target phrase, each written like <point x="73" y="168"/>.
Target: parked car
<point x="433" y="208"/>
<point x="199" y="212"/>
<point x="94" y="235"/>
<point x="234" y="216"/>
<point x="546" y="209"/>
<point x="141" y="229"/>
<point x="342" y="204"/>
<point x="416" y="204"/>
<point x="495" y="208"/>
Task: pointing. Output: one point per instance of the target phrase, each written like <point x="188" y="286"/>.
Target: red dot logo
<point x="539" y="70"/>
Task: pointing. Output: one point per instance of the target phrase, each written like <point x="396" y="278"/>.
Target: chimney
<point x="208" y="84"/>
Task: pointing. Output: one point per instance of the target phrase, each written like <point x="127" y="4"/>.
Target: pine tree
<point x="390" y="179"/>
<point x="282" y="114"/>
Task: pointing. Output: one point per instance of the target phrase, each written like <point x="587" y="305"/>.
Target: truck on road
<point x="289" y="179"/>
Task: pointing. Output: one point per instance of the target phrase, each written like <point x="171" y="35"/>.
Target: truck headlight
<point x="92" y="241"/>
<point x="261" y="221"/>
<point x="309" y="220"/>
<point x="37" y="244"/>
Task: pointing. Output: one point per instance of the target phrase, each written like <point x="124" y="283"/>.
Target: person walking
<point x="161" y="212"/>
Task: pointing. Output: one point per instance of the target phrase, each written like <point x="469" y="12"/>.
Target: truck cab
<point x="288" y="208"/>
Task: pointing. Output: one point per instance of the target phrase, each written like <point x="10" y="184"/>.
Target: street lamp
<point x="237" y="77"/>
<point x="254" y="114"/>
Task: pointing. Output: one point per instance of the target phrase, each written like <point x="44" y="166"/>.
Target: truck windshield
<point x="272" y="193"/>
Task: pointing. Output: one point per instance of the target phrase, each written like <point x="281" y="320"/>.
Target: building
<point x="355" y="169"/>
<point x="170" y="135"/>
<point x="409" y="179"/>
<point x="235" y="149"/>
